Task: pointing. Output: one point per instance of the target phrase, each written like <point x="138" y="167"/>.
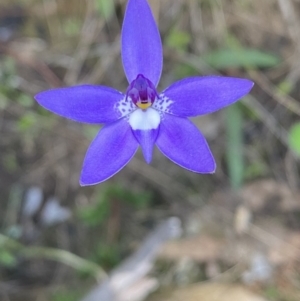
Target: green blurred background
<point x="241" y="225"/>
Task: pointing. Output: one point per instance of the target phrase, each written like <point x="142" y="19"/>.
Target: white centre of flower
<point x="144" y="119"/>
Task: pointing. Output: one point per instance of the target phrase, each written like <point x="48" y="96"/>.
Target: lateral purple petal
<point x="146" y="139"/>
<point x="110" y="151"/>
<point x="141" y="43"/>
<point x="87" y="103"/>
<point x="202" y="95"/>
<point x="182" y="143"/>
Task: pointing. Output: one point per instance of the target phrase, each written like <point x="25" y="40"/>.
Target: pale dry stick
<point x="192" y="60"/>
<point x="285" y="100"/>
<point x="63" y="243"/>
<point x="233" y="273"/>
<point x="26" y="85"/>
<point x="33" y="63"/>
<point x="291" y="171"/>
<point x="292" y="20"/>
<point x="271" y="239"/>
<point x="63" y="172"/>
<point x="270" y="121"/>
<point x="197" y="25"/>
<point x="89" y="30"/>
<point x="288" y="11"/>
<point x="104" y="63"/>
<point x="155" y="7"/>
<point x="219" y="21"/>
<point x="46" y="5"/>
<point x="261" y="80"/>
<point x="260" y="234"/>
<point x="107" y="54"/>
<point x="140" y="290"/>
<point x="41" y="166"/>
<point x="125" y="277"/>
<point x="168" y="184"/>
<point x="294" y="72"/>
<point x="172" y="8"/>
<point x="264" y="236"/>
<point x="236" y="17"/>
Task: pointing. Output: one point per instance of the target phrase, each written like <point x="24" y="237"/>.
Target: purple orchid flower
<point x="143" y="117"/>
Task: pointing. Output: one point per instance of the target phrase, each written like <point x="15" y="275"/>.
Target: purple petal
<point x="146" y="140"/>
<point x="182" y="143"/>
<point x="90" y="104"/>
<point x="202" y="95"/>
<point x="110" y="151"/>
<point x="141" y="43"/>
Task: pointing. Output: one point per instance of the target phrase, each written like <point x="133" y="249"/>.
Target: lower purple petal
<point x="146" y="139"/>
<point x="202" y="95"/>
<point x="110" y="151"/>
<point x="182" y="143"/>
<point x="87" y="103"/>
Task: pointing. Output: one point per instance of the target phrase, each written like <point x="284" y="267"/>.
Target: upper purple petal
<point x="110" y="151"/>
<point x="202" y="95"/>
<point x="141" y="43"/>
<point x="87" y="103"/>
<point x="182" y="143"/>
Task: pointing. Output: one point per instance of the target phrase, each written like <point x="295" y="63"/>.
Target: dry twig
<point x="128" y="282"/>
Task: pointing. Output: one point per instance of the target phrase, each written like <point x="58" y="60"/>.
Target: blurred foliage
<point x="7" y="77"/>
<point x="294" y="138"/>
<point x="240" y="58"/>
<point x="107" y="255"/>
<point x="11" y="249"/>
<point x="230" y="50"/>
<point x="7" y="259"/>
<point x="67" y="295"/>
<point x="28" y="121"/>
<point x="100" y="209"/>
<point x="90" y="131"/>
<point x="9" y="94"/>
<point x="105" y="8"/>
<point x="10" y="162"/>
<point x="234" y="55"/>
<point x="272" y="293"/>
<point x="71" y="27"/>
<point x="235" y="158"/>
<point x="255" y="170"/>
<point x="285" y="87"/>
<point x="184" y="70"/>
<point x="178" y="40"/>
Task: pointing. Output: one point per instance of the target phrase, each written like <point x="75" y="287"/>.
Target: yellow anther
<point x="144" y="106"/>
